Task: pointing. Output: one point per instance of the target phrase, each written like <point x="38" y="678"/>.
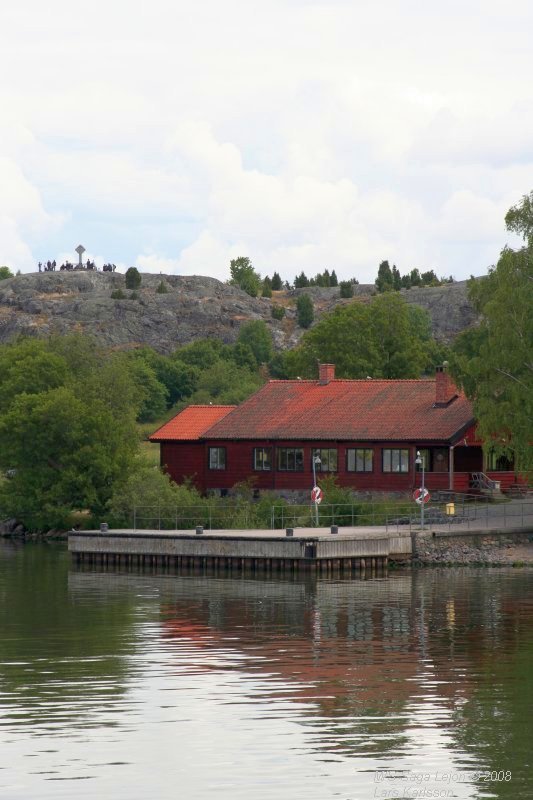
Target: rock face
<point x="39" y="304"/>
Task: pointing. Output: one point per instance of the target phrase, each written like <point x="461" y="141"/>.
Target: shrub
<point x="118" y="294"/>
<point x="346" y="288"/>
<point x="278" y="312"/>
<point x="305" y="310"/>
<point x="162" y="288"/>
<point x="133" y="278"/>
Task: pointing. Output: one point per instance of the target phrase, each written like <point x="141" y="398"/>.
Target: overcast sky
<point x="177" y="135"/>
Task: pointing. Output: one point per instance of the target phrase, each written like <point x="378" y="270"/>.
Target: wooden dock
<point x="323" y="550"/>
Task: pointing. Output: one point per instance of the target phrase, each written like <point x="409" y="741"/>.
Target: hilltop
<point x="39" y="304"/>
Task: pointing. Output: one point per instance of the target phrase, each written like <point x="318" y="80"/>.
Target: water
<point x="124" y="685"/>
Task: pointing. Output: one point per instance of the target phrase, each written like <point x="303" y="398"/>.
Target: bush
<point x="278" y="312"/>
<point x="346" y="288"/>
<point x="133" y="278"/>
<point x="305" y="310"/>
<point x="118" y="294"/>
<point x="162" y="288"/>
<point x="134" y="296"/>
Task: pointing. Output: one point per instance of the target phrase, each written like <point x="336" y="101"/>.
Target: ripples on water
<point x="125" y="685"/>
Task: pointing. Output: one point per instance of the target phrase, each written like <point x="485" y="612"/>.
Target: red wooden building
<point x="365" y="432"/>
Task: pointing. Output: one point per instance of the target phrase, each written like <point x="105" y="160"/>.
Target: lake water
<point x="137" y="685"/>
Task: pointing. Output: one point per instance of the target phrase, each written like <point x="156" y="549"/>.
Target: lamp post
<point x="316" y="462"/>
<point x="420" y="461"/>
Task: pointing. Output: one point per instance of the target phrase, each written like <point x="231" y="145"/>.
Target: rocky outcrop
<point x="40" y="304"/>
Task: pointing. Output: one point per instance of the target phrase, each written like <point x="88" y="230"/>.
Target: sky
<point x="175" y="136"/>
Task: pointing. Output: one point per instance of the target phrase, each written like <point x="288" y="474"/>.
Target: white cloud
<point x="302" y="134"/>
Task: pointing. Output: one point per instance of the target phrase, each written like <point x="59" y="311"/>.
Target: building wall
<point x="185" y="459"/>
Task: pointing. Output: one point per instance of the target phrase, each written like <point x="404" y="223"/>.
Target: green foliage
<point x="257" y="336"/>
<point x="494" y="362"/>
<point x="384" y="280"/>
<point x="305" y="311"/>
<point x="384" y="339"/>
<point x="154" y="497"/>
<point x="134" y="296"/>
<point x="267" y="288"/>
<point x="5" y="272"/>
<point x="118" y="294"/>
<point x="333" y="280"/>
<point x="244" y="275"/>
<point x="243" y="356"/>
<point x="133" y="278"/>
<point x="519" y="218"/>
<point x="346" y="289"/>
<point x="162" y="288"/>
<point x="277" y="283"/>
<point x="226" y="383"/>
<point x="29" y="367"/>
<point x="278" y="312"/>
<point x="202" y="354"/>
<point x="301" y="281"/>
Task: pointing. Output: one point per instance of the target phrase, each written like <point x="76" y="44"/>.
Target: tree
<point x="5" y="272"/>
<point x="384" y="280"/>
<point x="257" y="336"/>
<point x="301" y="281"/>
<point x="519" y="218"/>
<point x="276" y="282"/>
<point x="244" y="276"/>
<point x="305" y="311"/>
<point x="267" y="288"/>
<point x="28" y="367"/>
<point x="346" y="289"/>
<point x="133" y="278"/>
<point x="333" y="280"/>
<point x="396" y="278"/>
<point x="162" y="288"/>
<point x="278" y="312"/>
<point x="494" y="362"/>
<point x="400" y="337"/>
<point x="225" y="382"/>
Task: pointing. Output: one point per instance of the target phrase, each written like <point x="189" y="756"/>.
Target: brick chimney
<point x="326" y="373"/>
<point x="445" y="389"/>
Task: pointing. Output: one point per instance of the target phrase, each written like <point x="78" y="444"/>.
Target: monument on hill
<point x="80" y="250"/>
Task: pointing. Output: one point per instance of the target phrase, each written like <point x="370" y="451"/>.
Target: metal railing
<point x="399" y="517"/>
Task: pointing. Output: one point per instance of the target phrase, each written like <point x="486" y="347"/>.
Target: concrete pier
<point x="258" y="550"/>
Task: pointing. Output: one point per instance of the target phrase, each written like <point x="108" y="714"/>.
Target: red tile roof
<point x="190" y="423"/>
<point x="356" y="410"/>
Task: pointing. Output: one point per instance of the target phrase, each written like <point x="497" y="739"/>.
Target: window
<point x="499" y="463"/>
<point x="359" y="460"/>
<point x="217" y="458"/>
<point x="425" y="458"/>
<point x="290" y="459"/>
<point x="395" y="460"/>
<point x="328" y="459"/>
<point x="262" y="458"/>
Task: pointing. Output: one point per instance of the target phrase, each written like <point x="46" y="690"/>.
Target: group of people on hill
<point x="50" y="266"/>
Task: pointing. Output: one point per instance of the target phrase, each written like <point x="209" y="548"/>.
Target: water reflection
<point x="284" y="688"/>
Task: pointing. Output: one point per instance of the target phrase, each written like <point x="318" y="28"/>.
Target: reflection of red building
<point x="364" y="432"/>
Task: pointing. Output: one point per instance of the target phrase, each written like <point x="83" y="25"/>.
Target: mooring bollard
<point x="199" y="529"/>
<point x="289" y="532"/>
<point x="104" y="527"/>
<point x="334" y="529"/>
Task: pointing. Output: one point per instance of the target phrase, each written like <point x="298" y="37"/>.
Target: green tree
<point x="28" y="367"/>
<point x="278" y="312"/>
<point x="494" y="362"/>
<point x="333" y="280"/>
<point x="400" y="337"/>
<point x="276" y="282"/>
<point x="346" y="289"/>
<point x="244" y="276"/>
<point x="202" y="354"/>
<point x="5" y="272"/>
<point x="396" y="278"/>
<point x="519" y="218"/>
<point x="226" y="383"/>
<point x="305" y="311"/>
<point x="301" y="281"/>
<point x="133" y="278"/>
<point x="162" y="288"/>
<point x="267" y="288"/>
<point x="66" y="454"/>
<point x="257" y="336"/>
<point x="384" y="280"/>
